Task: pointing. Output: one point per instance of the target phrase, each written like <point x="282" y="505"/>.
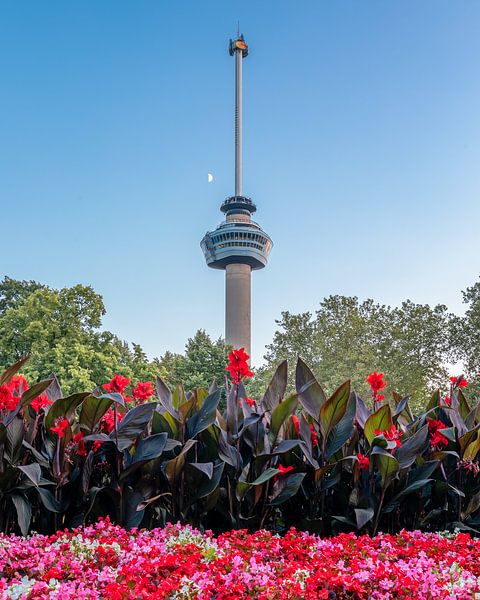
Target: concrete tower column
<point x="238" y="306"/>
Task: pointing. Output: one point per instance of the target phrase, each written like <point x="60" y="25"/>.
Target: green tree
<point x="60" y="330"/>
<point x="350" y="339"/>
<point x="466" y="337"/>
<point x="204" y="361"/>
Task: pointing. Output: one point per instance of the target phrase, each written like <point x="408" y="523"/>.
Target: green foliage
<point x="465" y="336"/>
<point x="288" y="460"/>
<point x="59" y="330"/>
<point x="203" y="362"/>
<point x="347" y="338"/>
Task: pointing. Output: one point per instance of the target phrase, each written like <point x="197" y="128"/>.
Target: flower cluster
<point x="437" y="439"/>
<point x="376" y="382"/>
<point x="238" y="366"/>
<point x="11" y="392"/>
<point x="105" y="561"/>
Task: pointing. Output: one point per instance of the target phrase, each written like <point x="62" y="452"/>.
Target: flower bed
<point x="106" y="561"/>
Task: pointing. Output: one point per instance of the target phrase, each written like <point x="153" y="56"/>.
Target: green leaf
<point x="472" y="449"/>
<point x="363" y="516"/>
<point x="281" y="412"/>
<point x="434" y="400"/>
<point x="276" y="388"/>
<point x="473" y="506"/>
<point x="65" y="407"/>
<point x="147" y="449"/>
<point x="165" y="397"/>
<point x="410" y="488"/>
<point x="205" y="417"/>
<point x="343" y="430"/>
<point x="49" y="500"/>
<point x="266" y="476"/>
<point x="209" y="486"/>
<point x="133" y="424"/>
<point x="174" y="467"/>
<point x="332" y="411"/>
<point x="24" y="512"/>
<point x="388" y="466"/>
<point x="33" y="472"/>
<point x="11" y="371"/>
<point x="381" y="419"/>
<point x="291" y="485"/>
<point x="93" y="409"/>
<point x="411" y="447"/>
<point x="310" y="393"/>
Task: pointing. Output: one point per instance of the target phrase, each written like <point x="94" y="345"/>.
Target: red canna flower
<point x="460" y="381"/>
<point x="238" y="365"/>
<point x="7" y="400"/>
<point x="363" y="461"/>
<point x="392" y="435"/>
<point x="96" y="445"/>
<point x="437" y="439"/>
<point x="296" y="424"/>
<point x="283" y="472"/>
<point x="78" y="439"/>
<point x="143" y="390"/>
<point x="376" y="382"/>
<point x="118" y="383"/>
<point x="314" y="436"/>
<point x="107" y="423"/>
<point x="40" y="402"/>
<point x="249" y="401"/>
<point x="18" y="384"/>
<point x="380" y="397"/>
<point x="60" y="426"/>
<point x="448" y="400"/>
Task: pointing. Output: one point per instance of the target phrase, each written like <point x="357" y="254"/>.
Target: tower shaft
<point x="238" y="122"/>
<point x="238" y="306"/>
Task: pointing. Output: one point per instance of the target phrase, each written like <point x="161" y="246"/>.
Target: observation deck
<point x="236" y="241"/>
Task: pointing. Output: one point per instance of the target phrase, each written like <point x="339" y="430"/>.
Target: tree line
<point x="414" y="345"/>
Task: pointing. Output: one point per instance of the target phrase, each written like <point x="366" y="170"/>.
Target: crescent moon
<point x="209" y="178"/>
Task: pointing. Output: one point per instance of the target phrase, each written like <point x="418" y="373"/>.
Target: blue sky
<point x="361" y="141"/>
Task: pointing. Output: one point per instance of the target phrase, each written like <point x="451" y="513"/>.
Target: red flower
<point x="314" y="436"/>
<point x="7" y="400"/>
<point x="380" y="397"/>
<point x="143" y="390"/>
<point x="437" y="439"/>
<point x="96" y="445"/>
<point x="40" y="402"/>
<point x="118" y="383"/>
<point x="376" y="382"/>
<point x="283" y="472"/>
<point x="18" y="384"/>
<point x="78" y="439"/>
<point x="448" y="400"/>
<point x="249" y="401"/>
<point x="238" y="365"/>
<point x="460" y="381"/>
<point x="296" y="424"/>
<point x="107" y="424"/>
<point x="392" y="435"/>
<point x="59" y="427"/>
<point x="363" y="461"/>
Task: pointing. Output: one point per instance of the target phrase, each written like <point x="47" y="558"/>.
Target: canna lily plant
<point x="145" y="455"/>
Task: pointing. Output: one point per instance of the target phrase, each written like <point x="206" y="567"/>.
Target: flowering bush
<point x="106" y="561"/>
<point x="145" y="455"/>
